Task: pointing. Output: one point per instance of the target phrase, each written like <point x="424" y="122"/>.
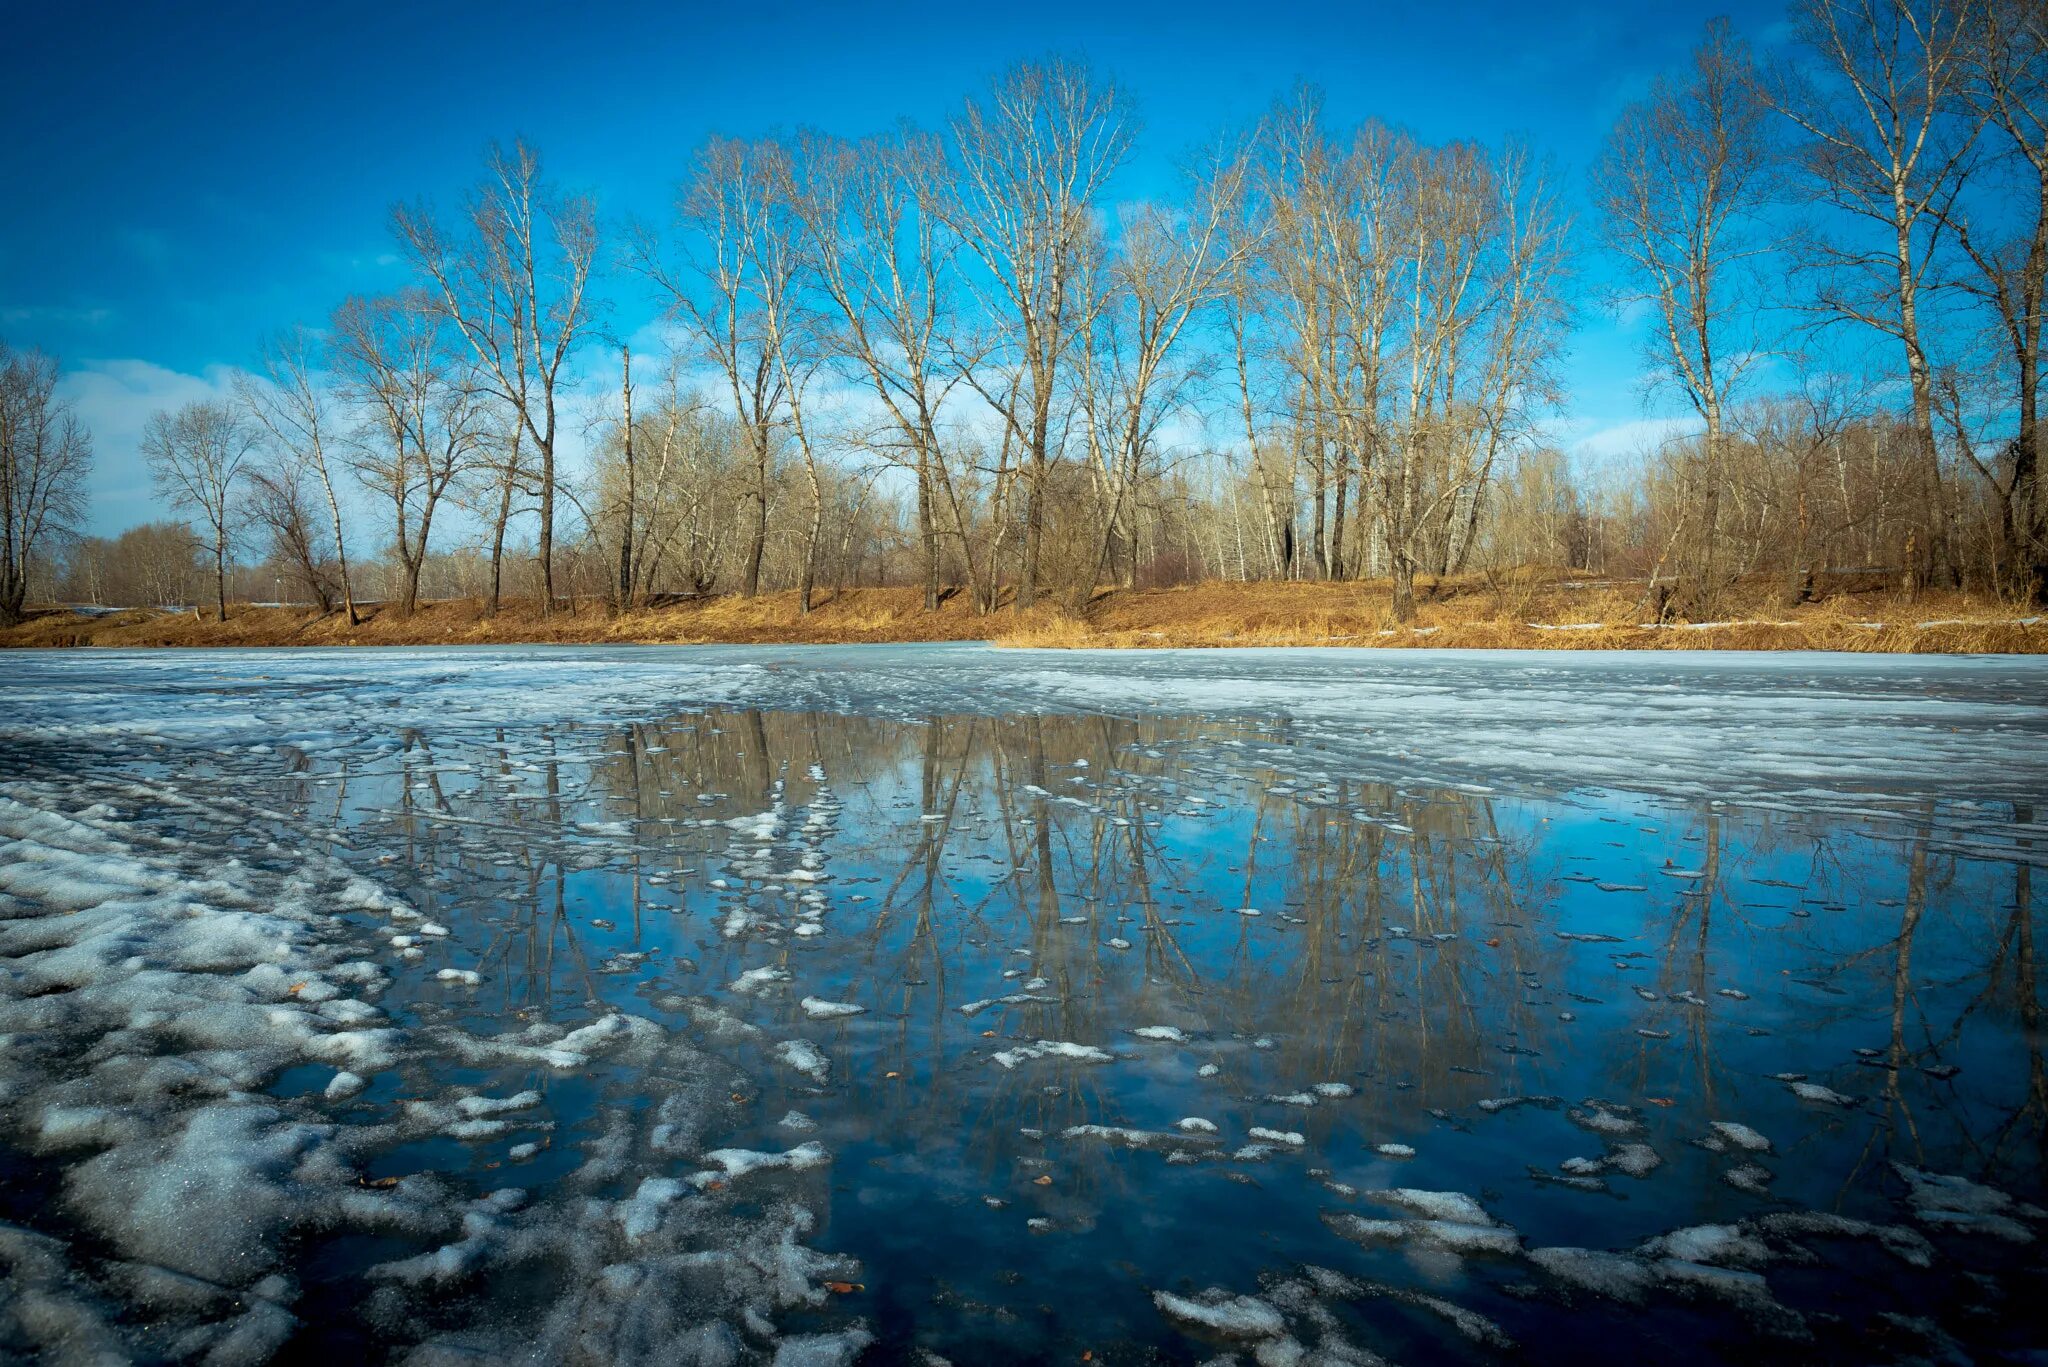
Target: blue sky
<point x="186" y="180"/>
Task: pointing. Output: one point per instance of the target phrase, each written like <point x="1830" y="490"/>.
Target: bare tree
<point x="198" y="456"/>
<point x="295" y="409"/>
<point x="517" y="286"/>
<point x="498" y="482"/>
<point x="281" y="505"/>
<point x="1172" y="265"/>
<point x="1034" y="156"/>
<point x="419" y="414"/>
<point x="883" y="261"/>
<point x="2008" y="90"/>
<point x="1681" y="188"/>
<point x="724" y="211"/>
<point x="45" y="455"/>
<point x="1889" y="136"/>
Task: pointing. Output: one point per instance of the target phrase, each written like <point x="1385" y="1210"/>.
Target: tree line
<point x="945" y="357"/>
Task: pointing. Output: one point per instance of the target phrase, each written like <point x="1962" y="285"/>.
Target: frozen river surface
<point x="887" y="1004"/>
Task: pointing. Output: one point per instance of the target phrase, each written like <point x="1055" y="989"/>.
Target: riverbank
<point x="1473" y="612"/>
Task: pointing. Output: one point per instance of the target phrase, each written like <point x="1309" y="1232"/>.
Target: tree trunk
<point x="1034" y="515"/>
<point x="632" y="500"/>
<point x="547" y="529"/>
<point x="927" y="533"/>
<point x="220" y="577"/>
<point x="1404" y="587"/>
<point x="2031" y="552"/>
<point x="1922" y="380"/>
<point x="758" y="539"/>
<point x="348" y="593"/>
<point x="809" y="582"/>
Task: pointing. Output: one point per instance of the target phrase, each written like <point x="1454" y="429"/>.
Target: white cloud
<point x="114" y="399"/>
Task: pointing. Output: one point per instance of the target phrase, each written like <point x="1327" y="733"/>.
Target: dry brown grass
<point x="852" y="615"/>
<point x="1522" y="613"/>
<point x="1499" y="611"/>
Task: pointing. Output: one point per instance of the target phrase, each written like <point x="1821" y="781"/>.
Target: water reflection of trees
<point x="1407" y="936"/>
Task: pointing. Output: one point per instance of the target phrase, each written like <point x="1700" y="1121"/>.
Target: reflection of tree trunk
<point x="760" y="773"/>
<point x="632" y="739"/>
<point x="1695" y="978"/>
<point x="1048" y="896"/>
<point x="2024" y="982"/>
<point x="1902" y="973"/>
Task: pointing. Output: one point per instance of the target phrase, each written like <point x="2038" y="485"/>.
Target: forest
<point x="950" y="359"/>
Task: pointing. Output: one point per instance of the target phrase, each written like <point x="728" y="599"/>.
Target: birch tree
<point x="516" y="285"/>
<point x="292" y="404"/>
<point x="1033" y="158"/>
<point x="1681" y="189"/>
<point x="199" y="456"/>
<point x="883" y="261"/>
<point x="420" y="420"/>
<point x="45" y="456"/>
<point x="1170" y="267"/>
<point x="717" y="295"/>
<point x="1888" y="138"/>
<point x="2008" y="249"/>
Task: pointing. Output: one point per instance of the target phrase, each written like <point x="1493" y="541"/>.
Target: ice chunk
<point x="1046" y="1048"/>
<point x="1815" y="1092"/>
<point x="1725" y="1244"/>
<point x="640" y="1215"/>
<point x="755" y="981"/>
<point x="805" y="1058"/>
<point x="1614" y="1275"/>
<point x="1220" y="1313"/>
<point x="733" y="1164"/>
<point x="1741" y="1136"/>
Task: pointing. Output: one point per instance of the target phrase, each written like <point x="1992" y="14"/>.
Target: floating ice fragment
<point x="1753" y="1178"/>
<point x="733" y="1164"/>
<point x="755" y="981"/>
<point x="1220" y="1313"/>
<point x="1080" y="1053"/>
<point x="1605" y="1118"/>
<point x="1741" y="1136"/>
<point x="975" y="1008"/>
<point x="1814" y="1091"/>
<point x="805" y="1058"/>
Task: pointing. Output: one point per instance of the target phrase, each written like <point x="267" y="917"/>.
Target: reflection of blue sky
<point x="1800" y="913"/>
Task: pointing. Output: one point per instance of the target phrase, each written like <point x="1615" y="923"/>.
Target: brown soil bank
<point x="1525" y="611"/>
